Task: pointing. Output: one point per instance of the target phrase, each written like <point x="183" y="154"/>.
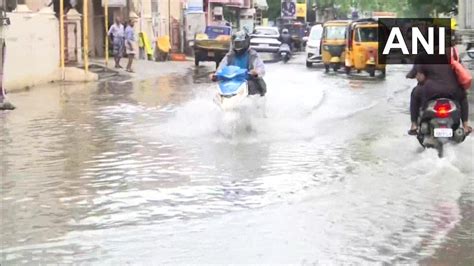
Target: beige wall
<point x="164" y="15"/>
<point x="32" y="55"/>
<point x="164" y="9"/>
<point x="176" y="10"/>
<point x="36" y="5"/>
<point x="96" y="32"/>
<point x="144" y="23"/>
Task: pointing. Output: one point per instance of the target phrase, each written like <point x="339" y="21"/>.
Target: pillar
<point x="73" y="40"/>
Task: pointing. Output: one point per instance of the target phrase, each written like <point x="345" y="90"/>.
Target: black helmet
<point x="240" y="42"/>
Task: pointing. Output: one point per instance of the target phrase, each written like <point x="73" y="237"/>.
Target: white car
<point x="313" y="51"/>
<point x="265" y="39"/>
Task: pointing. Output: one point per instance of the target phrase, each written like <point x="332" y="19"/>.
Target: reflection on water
<point x="142" y="157"/>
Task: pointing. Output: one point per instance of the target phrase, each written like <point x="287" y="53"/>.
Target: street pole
<point x="169" y="19"/>
<point x="61" y="29"/>
<point x="141" y="16"/>
<point x="209" y="13"/>
<point x="106" y="23"/>
<point x="85" y="20"/>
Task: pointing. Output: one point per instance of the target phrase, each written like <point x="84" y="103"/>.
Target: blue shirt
<point x="257" y="63"/>
<point x="242" y="61"/>
<point x="129" y="34"/>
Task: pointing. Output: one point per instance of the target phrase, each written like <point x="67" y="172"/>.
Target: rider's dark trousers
<point x="257" y="86"/>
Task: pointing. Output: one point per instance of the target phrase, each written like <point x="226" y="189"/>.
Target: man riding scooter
<point x="436" y="80"/>
<point x="285" y="46"/>
<point x="285" y="37"/>
<point x="244" y="57"/>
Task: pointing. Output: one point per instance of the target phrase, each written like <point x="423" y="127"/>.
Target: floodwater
<point x="150" y="171"/>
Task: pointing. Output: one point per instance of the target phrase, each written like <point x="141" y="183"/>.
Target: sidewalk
<point x="143" y="69"/>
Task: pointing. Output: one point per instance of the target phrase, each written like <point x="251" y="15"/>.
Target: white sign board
<point x="116" y="3"/>
<point x="195" y="6"/>
<point x="218" y="11"/>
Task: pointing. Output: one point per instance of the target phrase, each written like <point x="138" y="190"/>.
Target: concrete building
<point x="33" y="38"/>
<point x="240" y="14"/>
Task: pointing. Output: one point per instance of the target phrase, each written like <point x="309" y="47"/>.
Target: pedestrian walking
<point x="116" y="35"/>
<point x="130" y="44"/>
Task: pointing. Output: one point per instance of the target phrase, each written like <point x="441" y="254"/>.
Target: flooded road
<point x="146" y="171"/>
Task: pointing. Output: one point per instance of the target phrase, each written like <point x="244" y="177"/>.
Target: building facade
<point x="239" y="14"/>
<point x="33" y="38"/>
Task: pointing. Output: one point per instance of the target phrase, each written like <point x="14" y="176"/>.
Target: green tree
<point x="404" y="8"/>
<point x="425" y="8"/>
<point x="274" y="9"/>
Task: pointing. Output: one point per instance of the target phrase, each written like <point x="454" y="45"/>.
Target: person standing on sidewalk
<point x="116" y="35"/>
<point x="130" y="44"/>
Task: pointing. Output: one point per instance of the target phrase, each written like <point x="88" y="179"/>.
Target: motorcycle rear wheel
<point x="440" y="150"/>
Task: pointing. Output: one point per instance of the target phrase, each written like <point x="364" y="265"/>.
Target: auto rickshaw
<point x="362" y="47"/>
<point x="334" y="43"/>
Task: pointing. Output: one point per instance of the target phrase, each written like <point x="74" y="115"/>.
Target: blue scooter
<point x="233" y="87"/>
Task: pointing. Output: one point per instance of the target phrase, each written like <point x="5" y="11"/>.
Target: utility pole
<point x="169" y="20"/>
<point x="106" y="23"/>
<point x="61" y="29"/>
<point x="85" y="20"/>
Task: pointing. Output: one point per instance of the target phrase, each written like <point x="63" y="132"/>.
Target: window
<point x="263" y="31"/>
<point x="366" y="34"/>
<point x="316" y="33"/>
<point x="335" y="32"/>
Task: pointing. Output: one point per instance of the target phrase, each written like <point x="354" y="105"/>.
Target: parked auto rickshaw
<point x="362" y="47"/>
<point x="334" y="44"/>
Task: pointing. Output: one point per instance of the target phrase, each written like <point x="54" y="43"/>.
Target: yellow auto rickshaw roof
<point x="337" y="22"/>
<point x="366" y="25"/>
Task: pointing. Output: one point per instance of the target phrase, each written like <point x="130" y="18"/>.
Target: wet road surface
<point x="146" y="171"/>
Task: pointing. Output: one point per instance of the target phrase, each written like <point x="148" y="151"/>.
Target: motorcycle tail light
<point x="442" y="109"/>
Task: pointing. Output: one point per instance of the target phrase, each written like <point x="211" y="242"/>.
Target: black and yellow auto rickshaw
<point x="333" y="44"/>
<point x="362" y="47"/>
